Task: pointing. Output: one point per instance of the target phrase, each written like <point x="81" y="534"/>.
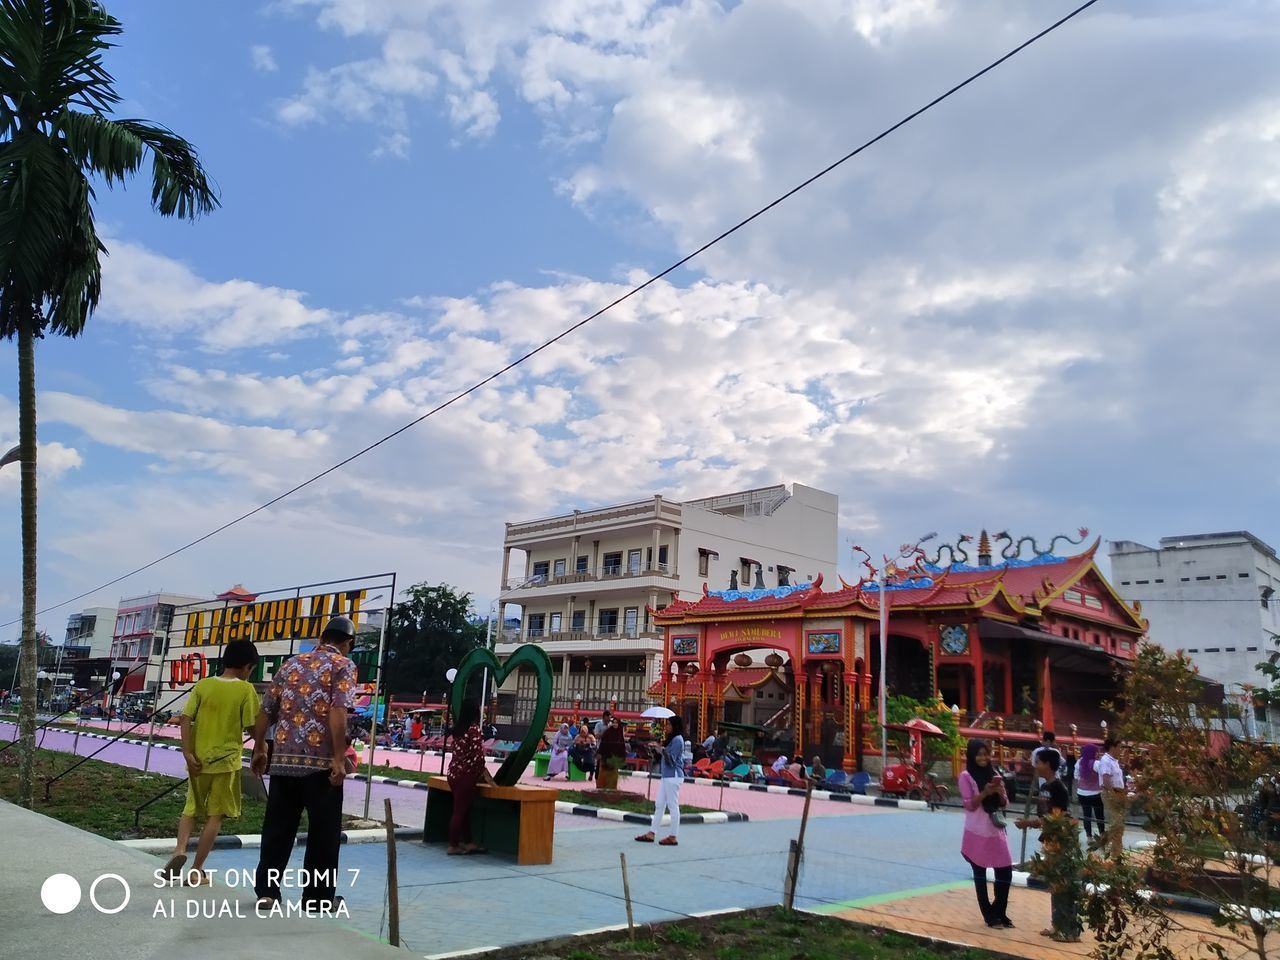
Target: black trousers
<point x="287" y="797"/>
<point x="1091" y="813"/>
<point x="992" y="910"/>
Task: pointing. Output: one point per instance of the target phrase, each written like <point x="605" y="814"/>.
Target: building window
<point x="581" y="565"/>
<point x="1221" y="576"/>
<point x="633" y="562"/>
<point x="1186" y="579"/>
<point x="1230" y="650"/>
<point x="1265" y="596"/>
<point x="157" y="647"/>
<point x="612" y="564"/>
<point x="608" y="622"/>
<point x="1250" y="649"/>
<point x="662" y="558"/>
<point x="555" y="622"/>
<point x="1194" y="650"/>
<point x="537" y="624"/>
<point x="560" y="568"/>
<point x="579" y="621"/>
<point x="1124" y="583"/>
<point x="542" y="569"/>
<point x="1243" y="576"/>
<point x="631" y="621"/>
<point x="1212" y="649"/>
<point x="1159" y="580"/>
<point x="1203" y="578"/>
<point x="704" y="563"/>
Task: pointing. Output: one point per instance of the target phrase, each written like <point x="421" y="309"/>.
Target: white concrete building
<point x="1210" y="594"/>
<point x="585" y="579"/>
<point x="141" y="626"/>
<point x="92" y="628"/>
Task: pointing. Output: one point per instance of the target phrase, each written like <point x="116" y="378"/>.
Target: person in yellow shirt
<point x="218" y="712"/>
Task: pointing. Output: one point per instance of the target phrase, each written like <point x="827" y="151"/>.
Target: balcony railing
<point x="585" y="635"/>
<point x="608" y="572"/>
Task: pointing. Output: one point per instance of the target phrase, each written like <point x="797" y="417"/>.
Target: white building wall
<point x="1204" y="594"/>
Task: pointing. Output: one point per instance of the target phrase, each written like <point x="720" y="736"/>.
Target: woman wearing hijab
<point x="466" y="771"/>
<point x="984" y="845"/>
<point x="610" y="755"/>
<point x="1089" y="790"/>
<point x="669" y="786"/>
<point x="560" y="745"/>
<point x="583" y="752"/>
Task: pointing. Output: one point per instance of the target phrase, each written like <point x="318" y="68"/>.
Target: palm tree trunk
<point x="27" y="661"/>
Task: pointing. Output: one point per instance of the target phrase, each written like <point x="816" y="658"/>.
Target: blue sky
<point x="1044" y="305"/>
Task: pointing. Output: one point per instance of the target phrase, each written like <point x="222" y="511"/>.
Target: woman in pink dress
<point x="985" y="845"/>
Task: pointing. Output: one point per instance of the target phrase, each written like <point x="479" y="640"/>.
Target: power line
<point x="581" y="323"/>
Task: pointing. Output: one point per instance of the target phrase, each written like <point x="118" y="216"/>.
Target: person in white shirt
<point x="1114" y="794"/>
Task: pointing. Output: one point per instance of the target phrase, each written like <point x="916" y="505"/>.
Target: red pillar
<point x="979" y="681"/>
<point x="1046" y="694"/>
<point x="1008" y="683"/>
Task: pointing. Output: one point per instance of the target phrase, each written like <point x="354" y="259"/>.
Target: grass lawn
<point x="617" y="799"/>
<point x="101" y="797"/>
<point x="772" y="934"/>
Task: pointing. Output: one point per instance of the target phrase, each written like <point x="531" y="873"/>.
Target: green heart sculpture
<point x="529" y="655"/>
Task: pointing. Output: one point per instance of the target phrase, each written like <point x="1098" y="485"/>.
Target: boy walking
<point x="1060" y="849"/>
<point x="218" y="712"/>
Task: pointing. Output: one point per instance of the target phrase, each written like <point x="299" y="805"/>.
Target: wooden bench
<point x="517" y="821"/>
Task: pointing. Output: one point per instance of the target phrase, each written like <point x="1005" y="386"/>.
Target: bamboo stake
<point x="626" y="893"/>
<point x="393" y="888"/>
<point x="797" y="851"/>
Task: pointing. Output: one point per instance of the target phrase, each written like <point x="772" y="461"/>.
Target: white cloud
<point x="263" y="59"/>
<point x="165" y="298"/>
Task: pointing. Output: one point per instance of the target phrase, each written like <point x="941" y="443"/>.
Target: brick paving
<point x="950" y="913"/>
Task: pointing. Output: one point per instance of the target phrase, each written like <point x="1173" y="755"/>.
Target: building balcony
<point x="643" y="514"/>
<point x="603" y="640"/>
<point x="611" y="580"/>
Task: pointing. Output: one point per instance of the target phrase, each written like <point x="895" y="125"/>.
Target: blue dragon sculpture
<point x="1013" y="548"/>
<point x="955" y="554"/>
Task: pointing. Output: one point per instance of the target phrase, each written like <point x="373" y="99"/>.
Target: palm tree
<point x="55" y="135"/>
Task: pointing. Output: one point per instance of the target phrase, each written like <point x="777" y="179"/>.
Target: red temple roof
<point x="238" y="594"/>
<point x="1020" y="587"/>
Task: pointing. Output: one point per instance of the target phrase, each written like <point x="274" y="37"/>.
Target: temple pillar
<point x="979" y="686"/>
<point x="1008" y="682"/>
<point x="802" y="683"/>
<point x="849" y="761"/>
<point x="1046" y="693"/>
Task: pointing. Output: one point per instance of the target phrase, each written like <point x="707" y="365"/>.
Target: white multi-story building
<point x="1212" y="595"/>
<point x="586" y="579"/>
<point x="91" y="629"/>
<point x="137" y="643"/>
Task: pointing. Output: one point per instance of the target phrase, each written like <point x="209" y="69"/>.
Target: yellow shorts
<point x="213" y="795"/>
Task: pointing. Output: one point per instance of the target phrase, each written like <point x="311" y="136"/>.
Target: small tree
<point x="900" y="709"/>
<point x="1214" y="841"/>
<point x="431" y="630"/>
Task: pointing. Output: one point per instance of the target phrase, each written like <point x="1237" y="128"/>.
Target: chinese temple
<point x="1010" y="642"/>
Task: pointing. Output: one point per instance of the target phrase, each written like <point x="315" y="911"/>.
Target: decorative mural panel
<point x="684" y="646"/>
<point x="824" y="642"/>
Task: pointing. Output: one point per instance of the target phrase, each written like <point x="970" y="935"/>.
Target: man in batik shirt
<point x="307" y="702"/>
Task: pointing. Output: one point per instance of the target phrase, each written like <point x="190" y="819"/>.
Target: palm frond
<point x="179" y="185"/>
<point x="99" y="145"/>
<point x="77" y="32"/>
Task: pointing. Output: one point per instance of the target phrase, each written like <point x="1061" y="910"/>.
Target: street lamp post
<point x="111" y="700"/>
<point x="488" y="630"/>
<point x="907" y="552"/>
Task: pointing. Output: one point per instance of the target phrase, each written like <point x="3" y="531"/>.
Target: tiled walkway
<point x="949" y="912"/>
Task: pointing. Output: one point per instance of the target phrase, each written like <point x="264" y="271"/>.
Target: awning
<point x="1066" y="653"/>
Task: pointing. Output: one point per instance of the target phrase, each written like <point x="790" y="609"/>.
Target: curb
<point x="252" y="840"/>
<point x="1174" y="901"/>
<point x="608" y="813"/>
<point x="858" y="799"/>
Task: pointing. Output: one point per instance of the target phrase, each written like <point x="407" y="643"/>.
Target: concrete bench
<point x="516" y="821"/>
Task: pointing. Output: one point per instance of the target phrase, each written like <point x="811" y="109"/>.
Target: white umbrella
<point x="658" y="713"/>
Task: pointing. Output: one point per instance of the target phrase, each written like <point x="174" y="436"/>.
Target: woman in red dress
<point x="466" y="772"/>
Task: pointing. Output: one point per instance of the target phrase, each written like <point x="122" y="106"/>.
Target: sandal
<point x="1063" y="938"/>
<point x="474" y="852"/>
<point x="668" y="842"/>
<point x="173" y="868"/>
<point x="645" y="838"/>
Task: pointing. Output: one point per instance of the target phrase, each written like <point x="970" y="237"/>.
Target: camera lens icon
<point x="61" y="893"/>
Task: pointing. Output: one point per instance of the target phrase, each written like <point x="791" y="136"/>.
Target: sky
<point x="1048" y="303"/>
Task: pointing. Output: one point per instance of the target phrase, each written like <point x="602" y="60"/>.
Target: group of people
<point x="597" y="750"/>
<point x="985" y="843"/>
<point x="299" y="734"/>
